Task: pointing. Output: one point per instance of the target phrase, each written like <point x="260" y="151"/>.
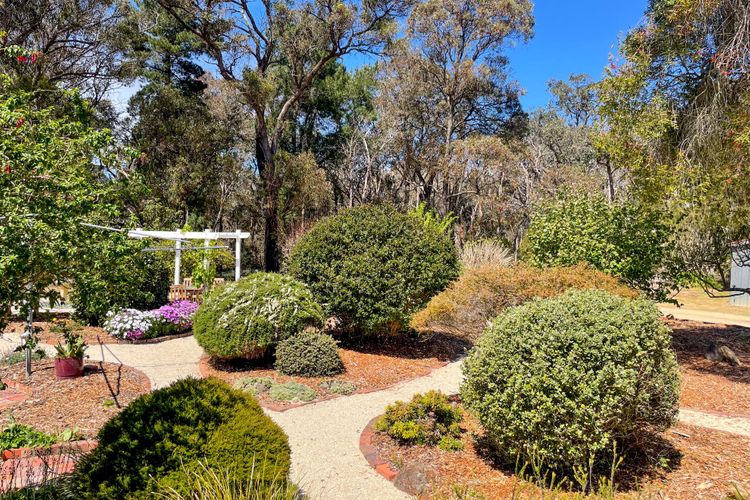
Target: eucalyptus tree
<point x="274" y="51"/>
<point x="444" y="83"/>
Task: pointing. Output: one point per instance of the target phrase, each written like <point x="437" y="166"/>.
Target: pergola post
<point x="206" y="244"/>
<point x="237" y="250"/>
<point x="177" y="258"/>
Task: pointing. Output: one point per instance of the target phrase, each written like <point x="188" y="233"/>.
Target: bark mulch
<point x="83" y="404"/>
<point x="371" y="366"/>
<point x="93" y="335"/>
<point x="707" y="385"/>
<point x="685" y="462"/>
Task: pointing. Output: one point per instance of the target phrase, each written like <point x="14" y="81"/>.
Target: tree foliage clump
<point x="246" y="318"/>
<point x="154" y="441"/>
<point x="631" y="242"/>
<point x="372" y="266"/>
<point x="559" y="382"/>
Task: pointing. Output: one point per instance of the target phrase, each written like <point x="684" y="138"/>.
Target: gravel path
<point x="324" y="437"/>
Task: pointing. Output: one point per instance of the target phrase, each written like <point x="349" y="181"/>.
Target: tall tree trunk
<point x="271" y="185"/>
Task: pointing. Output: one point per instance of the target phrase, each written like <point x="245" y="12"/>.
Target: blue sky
<point x="574" y="36"/>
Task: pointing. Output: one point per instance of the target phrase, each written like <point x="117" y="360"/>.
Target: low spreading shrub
<point x="292" y="391"/>
<point x="373" y="266"/>
<point x="427" y="419"/>
<point x="335" y="386"/>
<point x="480" y="294"/>
<point x="559" y="381"/>
<point x="309" y="354"/>
<point x="169" y="319"/>
<point x="145" y="447"/>
<point x="254" y="385"/>
<point x="246" y="318"/>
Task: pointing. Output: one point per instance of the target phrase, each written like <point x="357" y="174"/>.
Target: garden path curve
<point x="324" y="437"/>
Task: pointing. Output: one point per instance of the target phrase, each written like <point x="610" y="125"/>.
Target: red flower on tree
<point x="34" y="57"/>
<point x="7" y="169"/>
<point x="19" y="122"/>
<point x="21" y="58"/>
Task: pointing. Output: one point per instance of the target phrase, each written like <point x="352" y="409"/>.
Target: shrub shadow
<point x="652" y="458"/>
<point x="409" y="345"/>
<point x="691" y="341"/>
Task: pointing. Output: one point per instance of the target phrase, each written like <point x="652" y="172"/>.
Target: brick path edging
<point x="83" y="446"/>
<point x="377" y="462"/>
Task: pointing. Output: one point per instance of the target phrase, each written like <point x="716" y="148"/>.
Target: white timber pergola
<point x="179" y="237"/>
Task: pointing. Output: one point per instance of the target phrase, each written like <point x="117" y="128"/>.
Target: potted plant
<point x="70" y="353"/>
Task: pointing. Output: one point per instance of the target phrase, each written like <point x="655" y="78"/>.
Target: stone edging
<point x="83" y="446"/>
<point x="380" y="465"/>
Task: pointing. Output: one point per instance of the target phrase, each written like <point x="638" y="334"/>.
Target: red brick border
<point x="377" y="462"/>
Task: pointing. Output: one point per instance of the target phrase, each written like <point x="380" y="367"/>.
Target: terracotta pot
<point x="68" y="368"/>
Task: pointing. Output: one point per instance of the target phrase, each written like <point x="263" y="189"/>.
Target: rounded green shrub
<point x="246" y="318"/>
<point x="192" y="420"/>
<point x="372" y="266"/>
<point x="309" y="354"/>
<point x="560" y="381"/>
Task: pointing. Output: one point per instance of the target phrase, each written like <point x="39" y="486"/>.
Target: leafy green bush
<point x="117" y="275"/>
<point x="309" y="354"/>
<point x="427" y="419"/>
<point x="621" y="239"/>
<point x="480" y="294"/>
<point x="335" y="386"/>
<point x="146" y="445"/>
<point x="559" y="381"/>
<point x="246" y="318"/>
<point x="373" y="267"/>
<point x="14" y="357"/>
<point x="292" y="391"/>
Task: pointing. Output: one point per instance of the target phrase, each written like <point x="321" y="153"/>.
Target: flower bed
<point x="170" y="320"/>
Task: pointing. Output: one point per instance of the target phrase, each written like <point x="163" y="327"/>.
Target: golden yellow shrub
<point x="480" y="294"/>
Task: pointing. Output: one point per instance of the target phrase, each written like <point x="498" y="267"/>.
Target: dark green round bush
<point x="373" y="266"/>
<point x="246" y="318"/>
<point x="192" y="420"/>
<point x="309" y="354"/>
<point x="559" y="381"/>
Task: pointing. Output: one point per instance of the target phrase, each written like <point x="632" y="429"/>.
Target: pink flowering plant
<point x="179" y="313"/>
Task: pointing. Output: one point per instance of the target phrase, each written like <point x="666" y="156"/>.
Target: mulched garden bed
<point x="370" y="366"/>
<point x="93" y="335"/>
<point x="707" y="385"/>
<point x="702" y="463"/>
<point x="83" y="404"/>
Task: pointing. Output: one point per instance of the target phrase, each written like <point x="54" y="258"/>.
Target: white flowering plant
<point x="129" y="324"/>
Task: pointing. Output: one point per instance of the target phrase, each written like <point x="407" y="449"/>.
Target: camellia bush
<point x="564" y="382"/>
<point x="625" y="240"/>
<point x="372" y="266"/>
<point x="246" y="318"/>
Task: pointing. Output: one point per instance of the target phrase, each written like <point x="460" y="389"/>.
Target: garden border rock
<point x="156" y="340"/>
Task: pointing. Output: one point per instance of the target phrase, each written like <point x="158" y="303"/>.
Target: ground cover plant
<point x="169" y="319"/>
<point x="16" y="435"/>
<point x="373" y="266"/>
<point x="563" y="381"/>
<point x="147" y="446"/>
<point x="480" y="294"/>
<point x="247" y="318"/>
